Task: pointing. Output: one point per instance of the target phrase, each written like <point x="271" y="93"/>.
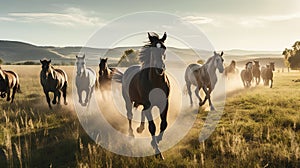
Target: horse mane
<point x="145" y="52"/>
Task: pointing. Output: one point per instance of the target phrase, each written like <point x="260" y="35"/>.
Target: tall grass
<point x="260" y="127"/>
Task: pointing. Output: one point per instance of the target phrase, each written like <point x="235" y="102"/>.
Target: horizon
<point x="133" y="46"/>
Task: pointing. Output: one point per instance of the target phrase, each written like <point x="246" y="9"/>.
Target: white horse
<point x="205" y="77"/>
<point x="85" y="80"/>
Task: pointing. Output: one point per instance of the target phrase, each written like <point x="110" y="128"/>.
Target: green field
<point x="260" y="127"/>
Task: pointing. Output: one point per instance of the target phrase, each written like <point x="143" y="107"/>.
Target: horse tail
<point x="19" y="89"/>
<point x="118" y="75"/>
<point x="96" y="84"/>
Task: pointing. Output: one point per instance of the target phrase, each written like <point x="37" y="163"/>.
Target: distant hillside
<point x="14" y="51"/>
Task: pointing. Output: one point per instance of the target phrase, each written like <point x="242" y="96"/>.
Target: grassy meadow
<point x="260" y="127"/>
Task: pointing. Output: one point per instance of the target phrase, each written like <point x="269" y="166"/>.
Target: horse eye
<point x="158" y="45"/>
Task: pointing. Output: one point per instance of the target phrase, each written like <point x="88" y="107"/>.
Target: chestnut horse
<point x="9" y="80"/>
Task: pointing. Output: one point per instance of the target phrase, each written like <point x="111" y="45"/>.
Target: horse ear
<point x="164" y="37"/>
<point x="76" y="56"/>
<point x="49" y="61"/>
<point x="41" y="61"/>
<point x="222" y="53"/>
<point x="215" y="53"/>
<point x="106" y="59"/>
<point x="83" y="56"/>
<point x="150" y="37"/>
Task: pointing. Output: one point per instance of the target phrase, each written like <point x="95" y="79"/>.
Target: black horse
<point x="9" y="80"/>
<point x="53" y="80"/>
<point x="139" y="83"/>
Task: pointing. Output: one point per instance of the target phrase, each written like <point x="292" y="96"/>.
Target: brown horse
<point x="139" y="86"/>
<point x="256" y="72"/>
<point x="105" y="73"/>
<point x="231" y="70"/>
<point x="9" y="80"/>
<point x="267" y="74"/>
<point x="53" y="80"/>
<point x="246" y="75"/>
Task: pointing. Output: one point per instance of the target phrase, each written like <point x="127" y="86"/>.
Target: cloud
<point x="6" y="19"/>
<point x="197" y="19"/>
<point x="69" y="17"/>
<point x="275" y="18"/>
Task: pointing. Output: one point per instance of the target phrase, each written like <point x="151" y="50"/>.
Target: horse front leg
<point x="163" y="123"/>
<point x="129" y="116"/>
<point x="207" y="93"/>
<point x="87" y="96"/>
<point x="8" y="94"/>
<point x="141" y="128"/>
<point x="48" y="99"/>
<point x="79" y="93"/>
<point x="54" y="97"/>
<point x="152" y="130"/>
<point x="13" y="93"/>
<point x="197" y="94"/>
<point x="271" y="83"/>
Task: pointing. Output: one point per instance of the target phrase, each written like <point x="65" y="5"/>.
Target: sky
<point x="227" y="24"/>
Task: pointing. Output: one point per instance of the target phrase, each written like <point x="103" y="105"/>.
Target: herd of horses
<point x="138" y="82"/>
<point x="252" y="73"/>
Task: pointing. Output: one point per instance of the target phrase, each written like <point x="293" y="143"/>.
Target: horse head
<point x="80" y="63"/>
<point x="249" y="65"/>
<point x="153" y="54"/>
<point x="46" y="67"/>
<point x="272" y="66"/>
<point x="218" y="61"/>
<point x="102" y="66"/>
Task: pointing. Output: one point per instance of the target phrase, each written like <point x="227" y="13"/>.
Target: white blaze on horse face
<point x="158" y="45"/>
<point x="80" y="66"/>
<point x="219" y="64"/>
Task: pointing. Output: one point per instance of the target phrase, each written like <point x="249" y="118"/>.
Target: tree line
<point x="292" y="56"/>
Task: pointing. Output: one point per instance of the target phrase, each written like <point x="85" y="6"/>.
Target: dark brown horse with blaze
<point x="9" y="80"/>
<point x="53" y="80"/>
<point x="148" y="85"/>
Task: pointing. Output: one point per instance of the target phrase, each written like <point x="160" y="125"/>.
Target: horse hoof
<point x="131" y="134"/>
<point x="159" y="156"/>
<point x="53" y="102"/>
<point x="140" y="129"/>
<point x="65" y="103"/>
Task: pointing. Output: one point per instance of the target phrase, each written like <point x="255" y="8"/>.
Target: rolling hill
<point x="15" y="51"/>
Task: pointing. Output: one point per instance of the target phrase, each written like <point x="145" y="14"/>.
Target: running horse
<point x="267" y="74"/>
<point x="246" y="74"/>
<point x="105" y="73"/>
<point x="9" y="80"/>
<point x="230" y="70"/>
<point x="256" y="72"/>
<point x="139" y="86"/>
<point x="85" y="80"/>
<point x="204" y="77"/>
<point x="53" y="80"/>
